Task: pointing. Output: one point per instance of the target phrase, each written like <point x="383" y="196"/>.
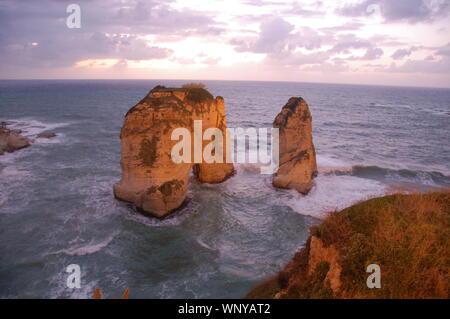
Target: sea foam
<point x="333" y="193"/>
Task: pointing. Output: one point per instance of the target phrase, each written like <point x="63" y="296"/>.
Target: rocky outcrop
<point x="318" y="253"/>
<point x="297" y="166"/>
<point x="11" y="140"/>
<point x="151" y="180"/>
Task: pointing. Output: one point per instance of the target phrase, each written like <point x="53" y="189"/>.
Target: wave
<point x="88" y="249"/>
<point x="333" y="193"/>
<point x="401" y="175"/>
<point x="32" y="127"/>
<point x="404" y="106"/>
<point x="330" y="164"/>
<point x="341" y="184"/>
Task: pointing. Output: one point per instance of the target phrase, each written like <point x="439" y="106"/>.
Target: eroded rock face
<point x="151" y="180"/>
<point x="297" y="166"/>
<point x="319" y="253"/>
<point x="11" y="140"/>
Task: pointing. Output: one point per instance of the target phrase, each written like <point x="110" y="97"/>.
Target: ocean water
<point x="57" y="206"/>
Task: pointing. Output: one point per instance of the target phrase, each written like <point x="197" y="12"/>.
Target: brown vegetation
<point x="194" y="86"/>
<point x="406" y="235"/>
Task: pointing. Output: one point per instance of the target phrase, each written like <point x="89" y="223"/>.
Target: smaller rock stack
<point x="297" y="166"/>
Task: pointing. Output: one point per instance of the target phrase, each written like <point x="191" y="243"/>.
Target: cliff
<point x="297" y="166"/>
<point x="151" y="180"/>
<point x="406" y="235"/>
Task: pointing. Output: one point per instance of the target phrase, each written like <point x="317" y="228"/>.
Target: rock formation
<point x="319" y="253"/>
<point x="46" y="135"/>
<point x="297" y="166"/>
<point x="11" y="140"/>
<point x="151" y="180"/>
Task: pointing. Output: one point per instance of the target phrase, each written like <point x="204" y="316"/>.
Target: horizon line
<point x="200" y="80"/>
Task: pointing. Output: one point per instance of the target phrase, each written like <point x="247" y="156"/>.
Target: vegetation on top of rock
<point x="406" y="235"/>
<point x="194" y="86"/>
<point x="196" y="92"/>
<point x="198" y="95"/>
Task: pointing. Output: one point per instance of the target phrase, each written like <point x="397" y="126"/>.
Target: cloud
<point x="401" y="53"/>
<point x="372" y="54"/>
<point x="336" y="66"/>
<point x="112" y="29"/>
<point x="411" y="11"/>
<point x="444" y="50"/>
<point x="281" y="43"/>
<point x="276" y="37"/>
<point x="300" y="9"/>
<point x="349" y="26"/>
<point x="426" y="65"/>
<point x="272" y="37"/>
<point x="349" y="41"/>
<point x="260" y="3"/>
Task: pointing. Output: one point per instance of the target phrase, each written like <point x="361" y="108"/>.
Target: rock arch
<point x="150" y="179"/>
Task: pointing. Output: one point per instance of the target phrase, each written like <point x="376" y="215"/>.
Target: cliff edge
<point x="407" y="236"/>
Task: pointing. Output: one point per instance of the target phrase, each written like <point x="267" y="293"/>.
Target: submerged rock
<point x="297" y="166"/>
<point x="11" y="140"/>
<point x="46" y="135"/>
<point x="151" y="180"/>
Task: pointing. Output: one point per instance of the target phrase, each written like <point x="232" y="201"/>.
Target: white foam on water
<point x="13" y="172"/>
<point x="88" y="249"/>
<point x="10" y="177"/>
<point x="331" y="193"/>
<point x="173" y="219"/>
<point x="31" y="127"/>
<point x="329" y="163"/>
<point x="58" y="139"/>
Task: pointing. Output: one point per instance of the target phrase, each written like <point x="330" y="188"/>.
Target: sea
<point x="57" y="206"/>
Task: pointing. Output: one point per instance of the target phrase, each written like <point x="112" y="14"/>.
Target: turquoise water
<point x="57" y="207"/>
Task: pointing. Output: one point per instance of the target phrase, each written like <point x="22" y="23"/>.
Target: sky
<point x="384" y="42"/>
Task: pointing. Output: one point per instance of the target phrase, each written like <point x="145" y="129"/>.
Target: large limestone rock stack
<point x="297" y="166"/>
<point x="151" y="180"/>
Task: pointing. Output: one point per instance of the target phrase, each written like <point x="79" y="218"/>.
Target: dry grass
<point x="407" y="235"/>
<point x="194" y="86"/>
